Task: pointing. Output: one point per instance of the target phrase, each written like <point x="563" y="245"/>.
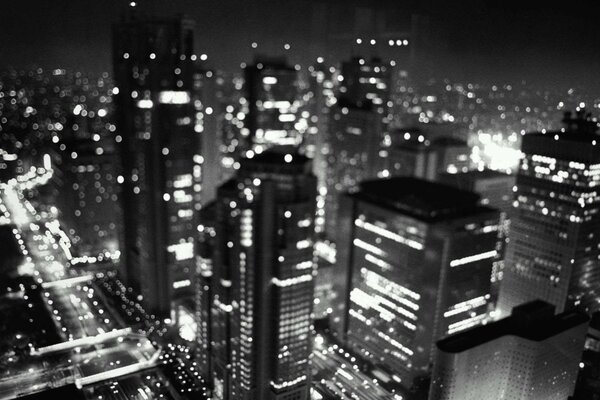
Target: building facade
<point x="494" y="187"/>
<point x="531" y="355"/>
<point x="417" y="258"/>
<point x="263" y="274"/>
<point x="554" y="246"/>
<point x="160" y="151"/>
<point x="273" y="92"/>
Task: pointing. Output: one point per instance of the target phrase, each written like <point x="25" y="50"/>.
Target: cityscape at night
<point x="299" y="200"/>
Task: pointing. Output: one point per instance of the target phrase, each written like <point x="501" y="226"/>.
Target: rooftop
<point x="534" y="321"/>
<point x="421" y="199"/>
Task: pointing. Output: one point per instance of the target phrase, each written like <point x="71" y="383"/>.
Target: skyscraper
<point x="355" y="134"/>
<point x="414" y="155"/>
<point x="263" y="272"/>
<point x="209" y="109"/>
<point x="494" y="187"/>
<point x="357" y="127"/>
<point x="417" y="257"/>
<point x="155" y="113"/>
<point x="204" y="286"/>
<point x="554" y="246"/>
<point x="274" y="100"/>
<point x="366" y="81"/>
<point x="530" y="355"/>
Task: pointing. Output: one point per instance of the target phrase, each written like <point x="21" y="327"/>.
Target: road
<point x="148" y="385"/>
<point x="336" y="375"/>
<point x="78" y="312"/>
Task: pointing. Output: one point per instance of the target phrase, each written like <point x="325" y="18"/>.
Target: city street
<point x="338" y="376"/>
<point x="81" y="318"/>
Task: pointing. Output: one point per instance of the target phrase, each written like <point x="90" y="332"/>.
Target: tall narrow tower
<point x="155" y="115"/>
<point x="263" y="278"/>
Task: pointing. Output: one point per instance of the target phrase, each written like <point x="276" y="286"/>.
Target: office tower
<point x="357" y="128"/>
<point x="530" y="355"/>
<point x="413" y="154"/>
<point x="417" y="257"/>
<point x="204" y="285"/>
<point x="160" y="153"/>
<point x="354" y="142"/>
<point x="274" y="99"/>
<point x="322" y="85"/>
<point x="316" y="144"/>
<point x="554" y="246"/>
<point x="264" y="269"/>
<point x="366" y="81"/>
<point x="209" y="111"/>
<point x="494" y="187"/>
<point x="233" y="136"/>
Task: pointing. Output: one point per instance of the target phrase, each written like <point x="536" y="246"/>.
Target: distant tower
<point x="273" y="95"/>
<point x="357" y="129"/>
<point x="494" y="187"/>
<point x="205" y="252"/>
<point x="160" y="152"/>
<point x="415" y="263"/>
<point x="530" y="355"/>
<point x="263" y="275"/>
<point x="554" y="243"/>
<point x="355" y="134"/>
<point x="366" y="81"/>
<point x="411" y="153"/>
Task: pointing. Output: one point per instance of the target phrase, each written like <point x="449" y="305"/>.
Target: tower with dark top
<point x="160" y="152"/>
<point x="415" y="264"/>
<point x="263" y="275"/>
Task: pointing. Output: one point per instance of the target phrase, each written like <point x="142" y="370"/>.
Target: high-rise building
<point x="554" y="245"/>
<point x="322" y="83"/>
<point x="209" y="110"/>
<point x="494" y="187"/>
<point x="366" y="81"/>
<point x="205" y="252"/>
<point x="417" y="257"/>
<point x="530" y="355"/>
<point x="355" y="135"/>
<point x="263" y="274"/>
<point x="413" y="154"/>
<point x="155" y="114"/>
<point x="274" y="100"/>
<point x="357" y="127"/>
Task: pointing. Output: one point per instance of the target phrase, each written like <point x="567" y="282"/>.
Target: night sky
<point x="474" y="40"/>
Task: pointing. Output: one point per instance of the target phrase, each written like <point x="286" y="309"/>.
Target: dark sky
<point x="474" y="39"/>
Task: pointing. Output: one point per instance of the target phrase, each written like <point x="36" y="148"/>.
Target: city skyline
<point x="471" y="40"/>
<point x="308" y="200"/>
